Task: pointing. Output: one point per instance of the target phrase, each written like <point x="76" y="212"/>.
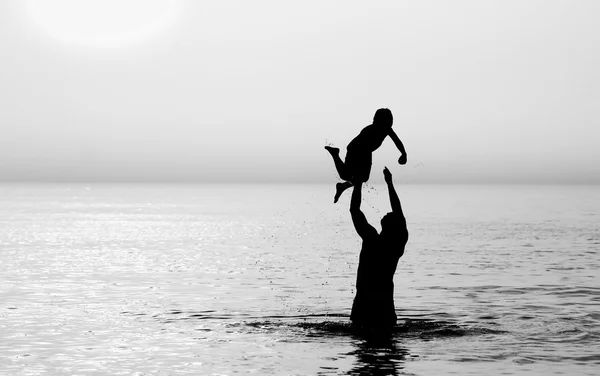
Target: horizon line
<point x="296" y="182"/>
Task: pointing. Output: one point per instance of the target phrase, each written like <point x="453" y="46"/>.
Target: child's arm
<point x="399" y="145"/>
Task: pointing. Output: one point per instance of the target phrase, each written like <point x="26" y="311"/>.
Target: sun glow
<point x="103" y="23"/>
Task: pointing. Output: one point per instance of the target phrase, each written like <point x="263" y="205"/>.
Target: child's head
<point x="384" y="117"/>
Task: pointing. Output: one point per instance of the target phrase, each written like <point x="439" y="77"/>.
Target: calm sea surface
<point x="259" y="279"/>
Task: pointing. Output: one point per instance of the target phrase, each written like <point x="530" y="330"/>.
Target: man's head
<point x="384" y="117"/>
<point x="390" y="222"/>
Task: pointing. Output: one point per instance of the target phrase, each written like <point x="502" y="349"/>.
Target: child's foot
<point x="339" y="189"/>
<point x="332" y="150"/>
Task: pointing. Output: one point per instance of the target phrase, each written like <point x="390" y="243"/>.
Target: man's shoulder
<point x="404" y="235"/>
<point x="371" y="236"/>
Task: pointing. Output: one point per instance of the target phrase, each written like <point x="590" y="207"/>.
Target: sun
<point x="103" y="23"/>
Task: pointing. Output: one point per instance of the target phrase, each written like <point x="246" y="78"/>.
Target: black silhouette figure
<point x="373" y="309"/>
<point x="359" y="152"/>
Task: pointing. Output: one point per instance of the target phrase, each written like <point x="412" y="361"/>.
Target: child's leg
<point x="361" y="174"/>
<point x="362" y="170"/>
<point x="339" y="189"/>
<point x="340" y="166"/>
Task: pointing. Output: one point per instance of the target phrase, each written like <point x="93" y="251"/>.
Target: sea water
<point x="150" y="279"/>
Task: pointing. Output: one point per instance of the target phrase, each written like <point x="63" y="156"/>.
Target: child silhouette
<point x="359" y="152"/>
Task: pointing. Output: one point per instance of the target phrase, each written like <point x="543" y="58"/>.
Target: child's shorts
<point x="358" y="165"/>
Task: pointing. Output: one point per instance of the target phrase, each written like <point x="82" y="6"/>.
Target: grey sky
<point x="499" y="91"/>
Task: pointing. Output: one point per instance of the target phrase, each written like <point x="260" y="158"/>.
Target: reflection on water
<point x="378" y="357"/>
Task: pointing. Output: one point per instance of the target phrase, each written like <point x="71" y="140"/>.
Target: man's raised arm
<point x="363" y="228"/>
<point x="394" y="200"/>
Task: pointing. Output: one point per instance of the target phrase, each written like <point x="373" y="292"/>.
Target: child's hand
<point x="387" y="175"/>
<point x="402" y="159"/>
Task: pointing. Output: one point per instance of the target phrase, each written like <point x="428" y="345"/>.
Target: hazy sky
<point x="241" y="90"/>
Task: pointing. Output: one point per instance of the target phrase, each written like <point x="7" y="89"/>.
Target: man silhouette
<point x="373" y="308"/>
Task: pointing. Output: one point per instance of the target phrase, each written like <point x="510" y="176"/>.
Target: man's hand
<point x="387" y="175"/>
<point x="402" y="159"/>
